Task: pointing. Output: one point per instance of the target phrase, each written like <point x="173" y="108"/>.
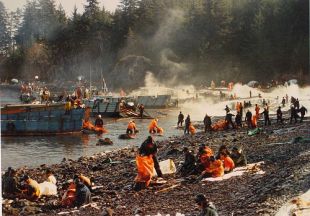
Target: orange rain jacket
<point x="216" y="168"/>
<point x="131" y="126"/>
<point x="153" y="126"/>
<point x="89" y="126"/>
<point x="220" y="125"/>
<point x="204" y="157"/>
<point x="254" y="121"/>
<point x="145" y="166"/>
<point x="229" y="164"/>
<point x="192" y="129"/>
<point x="238" y="107"/>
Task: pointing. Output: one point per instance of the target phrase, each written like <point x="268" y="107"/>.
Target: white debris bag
<point x="166" y="167"/>
<point x="48" y="188"/>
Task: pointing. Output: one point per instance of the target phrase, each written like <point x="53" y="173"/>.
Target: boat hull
<point x="44" y="120"/>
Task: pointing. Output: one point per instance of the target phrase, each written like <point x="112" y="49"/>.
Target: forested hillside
<point x="180" y="41"/>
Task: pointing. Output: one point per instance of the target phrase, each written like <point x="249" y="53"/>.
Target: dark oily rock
<point x="172" y="152"/>
<point x="105" y="141"/>
<point x="107" y="212"/>
<point x="7" y="210"/>
<point x="22" y="203"/>
<point x="30" y="210"/>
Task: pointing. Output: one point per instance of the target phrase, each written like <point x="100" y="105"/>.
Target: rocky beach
<point x="284" y="174"/>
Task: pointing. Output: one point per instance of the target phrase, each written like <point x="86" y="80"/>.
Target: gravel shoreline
<point x="286" y="167"/>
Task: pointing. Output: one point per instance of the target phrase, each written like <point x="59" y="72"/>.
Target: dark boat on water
<point x="113" y="107"/>
<point x="42" y="119"/>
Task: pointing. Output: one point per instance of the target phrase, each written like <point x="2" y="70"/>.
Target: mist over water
<point x="198" y="108"/>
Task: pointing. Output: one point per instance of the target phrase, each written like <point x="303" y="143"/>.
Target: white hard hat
<point x="99" y="116"/>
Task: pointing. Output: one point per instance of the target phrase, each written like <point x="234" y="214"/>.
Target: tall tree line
<point x="201" y="40"/>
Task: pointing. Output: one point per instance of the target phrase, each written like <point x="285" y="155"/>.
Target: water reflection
<point x="34" y="151"/>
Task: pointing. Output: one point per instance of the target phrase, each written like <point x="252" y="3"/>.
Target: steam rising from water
<point x="197" y="108"/>
<point x="154" y="87"/>
<point x="214" y="108"/>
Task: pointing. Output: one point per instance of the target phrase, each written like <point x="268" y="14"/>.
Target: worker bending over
<point x="99" y="122"/>
<point x="146" y="161"/>
<point x="153" y="127"/>
<point x="131" y="128"/>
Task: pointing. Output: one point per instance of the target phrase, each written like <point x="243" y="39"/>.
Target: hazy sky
<point x="68" y="5"/>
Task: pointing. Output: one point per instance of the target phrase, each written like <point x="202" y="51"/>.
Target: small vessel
<point x="117" y="107"/>
<point x="40" y="119"/>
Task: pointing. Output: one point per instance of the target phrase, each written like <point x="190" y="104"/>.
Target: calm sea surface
<point x="37" y="150"/>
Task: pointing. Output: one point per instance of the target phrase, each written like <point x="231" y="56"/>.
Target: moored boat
<point x="116" y="107"/>
<point x="42" y="119"/>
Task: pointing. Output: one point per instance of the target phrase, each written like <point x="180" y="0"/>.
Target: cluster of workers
<point x="78" y="189"/>
<point x="251" y="120"/>
<point x="204" y="164"/>
<point x="132" y="129"/>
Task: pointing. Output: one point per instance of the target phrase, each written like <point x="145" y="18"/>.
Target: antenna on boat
<point x="90" y="80"/>
<point x="104" y="86"/>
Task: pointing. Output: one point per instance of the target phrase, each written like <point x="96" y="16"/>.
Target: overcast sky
<point x="68" y="5"/>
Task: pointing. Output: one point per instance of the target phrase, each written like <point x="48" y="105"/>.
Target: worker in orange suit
<point x="229" y="164"/>
<point x="238" y="107"/>
<point x="192" y="129"/>
<point x="215" y="168"/>
<point x="131" y="128"/>
<point x="88" y="125"/>
<point x="204" y="154"/>
<point x="153" y="127"/>
<point x="146" y="162"/>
